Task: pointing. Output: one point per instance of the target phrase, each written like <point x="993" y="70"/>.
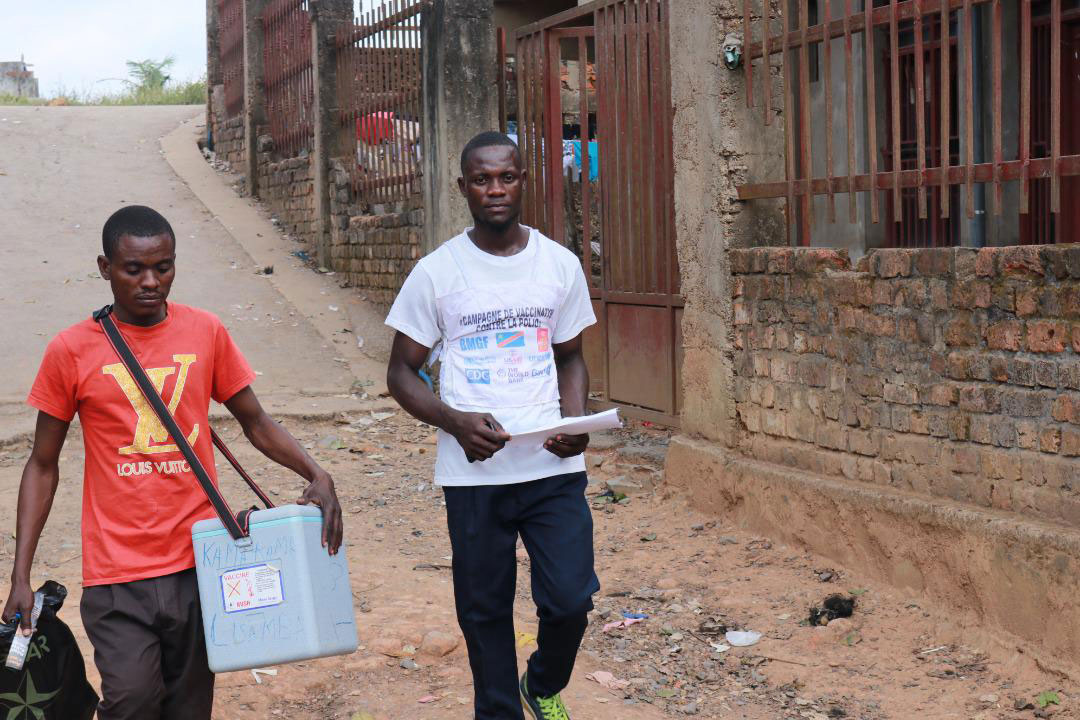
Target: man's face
<point x="492" y="185"/>
<point x="141" y="274"/>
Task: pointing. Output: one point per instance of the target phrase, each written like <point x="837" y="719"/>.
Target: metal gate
<point x="905" y="227"/>
<point x="601" y="182"/>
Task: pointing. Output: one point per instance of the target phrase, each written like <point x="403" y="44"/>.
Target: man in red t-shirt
<point x="140" y="603"/>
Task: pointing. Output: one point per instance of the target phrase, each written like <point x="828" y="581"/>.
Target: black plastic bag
<point x="52" y="682"/>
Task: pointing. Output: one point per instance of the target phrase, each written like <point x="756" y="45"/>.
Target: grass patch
<point x="179" y="93"/>
<point x="190" y="93"/>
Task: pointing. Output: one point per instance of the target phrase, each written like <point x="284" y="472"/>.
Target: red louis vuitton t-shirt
<point x="140" y="497"/>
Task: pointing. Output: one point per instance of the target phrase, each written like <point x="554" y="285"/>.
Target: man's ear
<point x="461" y="186"/>
<point x="104" y="266"/>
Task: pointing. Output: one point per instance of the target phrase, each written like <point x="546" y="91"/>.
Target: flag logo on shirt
<point x="543" y="340"/>
<point x="510" y="339"/>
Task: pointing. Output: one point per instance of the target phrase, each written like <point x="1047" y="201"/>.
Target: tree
<point x="150" y="74"/>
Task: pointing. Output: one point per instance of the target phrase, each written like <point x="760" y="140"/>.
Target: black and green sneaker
<point x="549" y="708"/>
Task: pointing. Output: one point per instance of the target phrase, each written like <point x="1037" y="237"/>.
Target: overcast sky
<point x="82" y="45"/>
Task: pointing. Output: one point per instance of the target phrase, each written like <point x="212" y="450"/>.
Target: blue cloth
<point x="594" y="158"/>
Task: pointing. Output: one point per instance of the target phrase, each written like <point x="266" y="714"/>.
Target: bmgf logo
<point x="470" y="344"/>
<point x="478" y="377"/>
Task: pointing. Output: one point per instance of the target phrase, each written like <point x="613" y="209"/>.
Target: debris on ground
<point x="624" y="623"/>
<point x="1047" y="698"/>
<point x="833" y="607"/>
<point x="741" y="638"/>
<point x="256" y="672"/>
<point x="607" y="680"/>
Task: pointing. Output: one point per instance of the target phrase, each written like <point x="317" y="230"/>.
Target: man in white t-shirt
<point x="505" y="306"/>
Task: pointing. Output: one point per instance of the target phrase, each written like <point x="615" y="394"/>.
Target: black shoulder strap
<point x="237" y="529"/>
<point x="220" y="445"/>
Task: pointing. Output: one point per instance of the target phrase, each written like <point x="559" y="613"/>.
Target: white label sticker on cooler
<point x="251" y="588"/>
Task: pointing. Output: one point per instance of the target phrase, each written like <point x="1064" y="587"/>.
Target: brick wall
<point x="229" y="141"/>
<point x="374" y="246"/>
<point x="949" y="372"/>
<point x="228" y="133"/>
<point x="287" y="187"/>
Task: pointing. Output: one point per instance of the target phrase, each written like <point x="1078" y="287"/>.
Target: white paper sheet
<point x="570" y="426"/>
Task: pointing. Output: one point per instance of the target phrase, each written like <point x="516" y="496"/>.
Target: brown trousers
<point x="149" y="648"/>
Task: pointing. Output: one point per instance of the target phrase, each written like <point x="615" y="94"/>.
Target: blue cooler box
<point x="276" y="596"/>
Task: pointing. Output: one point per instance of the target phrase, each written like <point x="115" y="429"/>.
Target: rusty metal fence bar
<point x="379" y="93"/>
<point x="289" y="76"/>
<point x="618" y="125"/>
<point x="530" y="127"/>
<point x="231" y="48"/>
<point x="893" y="17"/>
<point x="500" y="59"/>
<point x="508" y="83"/>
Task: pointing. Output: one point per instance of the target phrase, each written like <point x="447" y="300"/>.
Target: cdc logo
<point x="478" y="377"/>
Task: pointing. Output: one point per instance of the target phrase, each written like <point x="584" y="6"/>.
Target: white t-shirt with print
<point x="495" y="320"/>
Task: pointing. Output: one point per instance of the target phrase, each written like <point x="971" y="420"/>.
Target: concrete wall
<point x="513" y="14"/>
<point x="718" y="143"/>
<point x="460" y="100"/>
<point x="17" y="80"/>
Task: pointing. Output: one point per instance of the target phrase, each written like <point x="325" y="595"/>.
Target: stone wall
<point x="915" y="418"/>
<point x="229" y="141"/>
<point x="953" y="373"/>
<point x="287" y="188"/>
<point x="374" y="246"/>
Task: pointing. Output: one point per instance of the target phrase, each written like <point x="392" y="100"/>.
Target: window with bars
<point x="964" y="131"/>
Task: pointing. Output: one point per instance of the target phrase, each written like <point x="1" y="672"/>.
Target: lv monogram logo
<point x="149" y="432"/>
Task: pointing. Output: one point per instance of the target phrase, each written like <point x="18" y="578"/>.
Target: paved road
<point x="63" y="171"/>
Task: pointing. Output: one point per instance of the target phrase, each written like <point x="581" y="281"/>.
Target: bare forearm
<point x="573" y="386"/>
<point x="417" y="399"/>
<point x="36" y="492"/>
<point x="276" y="443"/>
<point x="279" y="445"/>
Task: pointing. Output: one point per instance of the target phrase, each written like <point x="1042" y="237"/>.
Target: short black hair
<point x="491" y="138"/>
<point x="134" y="220"/>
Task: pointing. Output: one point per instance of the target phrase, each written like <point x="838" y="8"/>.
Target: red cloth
<point x="375" y="128"/>
<point x="140" y="498"/>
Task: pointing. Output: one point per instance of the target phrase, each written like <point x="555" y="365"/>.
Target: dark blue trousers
<point x="553" y="519"/>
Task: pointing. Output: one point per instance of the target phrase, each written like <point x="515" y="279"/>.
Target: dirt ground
<point x="692" y="576"/>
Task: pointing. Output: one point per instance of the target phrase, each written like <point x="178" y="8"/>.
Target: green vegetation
<point x="12" y="100"/>
<point x="149" y="75"/>
<point x="185" y="93"/>
<point x="150" y="84"/>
